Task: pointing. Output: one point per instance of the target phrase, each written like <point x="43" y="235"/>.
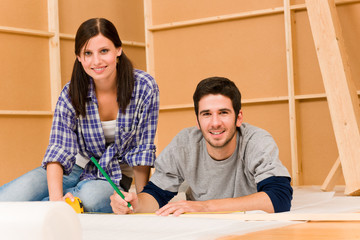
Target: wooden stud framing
<point x="341" y="92"/>
<point x="296" y="165"/>
<point x="24" y="31"/>
<point x="20" y="112"/>
<point x="332" y="177"/>
<point x="54" y="52"/>
<point x="227" y="17"/>
<point x="149" y="38"/>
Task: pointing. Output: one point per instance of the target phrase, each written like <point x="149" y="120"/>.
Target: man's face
<point x="217" y="122"/>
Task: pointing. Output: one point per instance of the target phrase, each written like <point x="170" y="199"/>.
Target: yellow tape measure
<point x="76" y="204"/>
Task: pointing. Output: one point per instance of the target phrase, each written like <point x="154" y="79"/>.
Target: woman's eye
<point x="87" y="53"/>
<point x="104" y="50"/>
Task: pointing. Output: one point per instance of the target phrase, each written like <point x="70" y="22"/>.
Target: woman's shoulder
<point x="144" y="79"/>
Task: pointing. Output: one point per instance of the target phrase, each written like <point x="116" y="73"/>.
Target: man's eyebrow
<point x="218" y="110"/>
<point x="204" y="111"/>
<point x="225" y="109"/>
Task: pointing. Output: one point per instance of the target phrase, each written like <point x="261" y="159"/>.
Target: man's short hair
<point x="217" y="85"/>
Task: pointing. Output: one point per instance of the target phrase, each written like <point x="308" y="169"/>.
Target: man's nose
<point x="215" y="120"/>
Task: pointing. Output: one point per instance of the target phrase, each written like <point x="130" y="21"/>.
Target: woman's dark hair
<point x="79" y="85"/>
<point x="218" y="85"/>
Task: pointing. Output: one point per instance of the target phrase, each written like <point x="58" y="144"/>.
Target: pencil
<point x="109" y="180"/>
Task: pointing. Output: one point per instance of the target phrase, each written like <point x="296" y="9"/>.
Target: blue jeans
<point x="32" y="186"/>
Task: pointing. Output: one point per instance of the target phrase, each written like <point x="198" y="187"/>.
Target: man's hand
<point x="180" y="207"/>
<point x="120" y="206"/>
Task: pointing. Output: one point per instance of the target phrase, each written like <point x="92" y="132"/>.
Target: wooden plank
<point x="54" y="52"/>
<point x="149" y="38"/>
<point x="332" y="177"/>
<point x="24" y="112"/>
<point x="215" y="19"/>
<point x="295" y="163"/>
<point x="25" y="31"/>
<point x="341" y="92"/>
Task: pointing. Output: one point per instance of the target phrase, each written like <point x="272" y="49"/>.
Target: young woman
<point x="108" y="111"/>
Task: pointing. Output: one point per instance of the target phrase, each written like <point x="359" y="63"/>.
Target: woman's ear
<point x="119" y="51"/>
<point x="78" y="58"/>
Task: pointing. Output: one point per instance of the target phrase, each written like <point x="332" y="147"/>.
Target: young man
<point x="229" y="165"/>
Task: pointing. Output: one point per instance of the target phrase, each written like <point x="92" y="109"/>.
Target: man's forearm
<point x="256" y="201"/>
<point x="146" y="203"/>
<point x="141" y="174"/>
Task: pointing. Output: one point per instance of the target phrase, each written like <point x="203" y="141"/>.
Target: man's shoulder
<point x="187" y="138"/>
<point x="247" y="131"/>
<point x="189" y="135"/>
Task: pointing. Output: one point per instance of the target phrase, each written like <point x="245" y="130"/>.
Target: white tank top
<point x="109" y="133"/>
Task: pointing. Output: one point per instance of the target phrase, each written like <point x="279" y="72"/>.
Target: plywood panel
<point x="127" y="16"/>
<point x="137" y="56"/>
<point x="24" y="14"/>
<point x="165" y="11"/>
<point x="24" y="66"/>
<point x="251" y="52"/>
<point x="274" y="118"/>
<point x="67" y="56"/>
<point x="307" y="71"/>
<point x="319" y="149"/>
<point x="170" y="124"/>
<point x="23" y="141"/>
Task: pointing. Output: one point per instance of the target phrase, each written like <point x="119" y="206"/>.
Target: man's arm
<point x="274" y="195"/>
<point x="141" y="175"/>
<point x="256" y="201"/>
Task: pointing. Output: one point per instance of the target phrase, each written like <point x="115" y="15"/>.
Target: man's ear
<point x="197" y="123"/>
<point x="239" y="119"/>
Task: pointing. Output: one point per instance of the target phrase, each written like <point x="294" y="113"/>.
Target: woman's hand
<point x="120" y="206"/>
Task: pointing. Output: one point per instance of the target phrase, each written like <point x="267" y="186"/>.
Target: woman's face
<point x="98" y="58"/>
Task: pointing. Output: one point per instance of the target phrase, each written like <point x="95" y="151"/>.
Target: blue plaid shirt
<point x="134" y="134"/>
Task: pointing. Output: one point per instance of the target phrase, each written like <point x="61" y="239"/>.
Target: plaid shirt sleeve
<point x="63" y="145"/>
<point x="142" y="150"/>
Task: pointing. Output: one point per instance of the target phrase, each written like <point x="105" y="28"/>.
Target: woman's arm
<point x="54" y="173"/>
<point x="141" y="175"/>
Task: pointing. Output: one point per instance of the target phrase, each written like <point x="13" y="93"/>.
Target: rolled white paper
<point x="38" y="221"/>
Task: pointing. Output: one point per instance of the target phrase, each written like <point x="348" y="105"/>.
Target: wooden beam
<point x="340" y="90"/>
<point x="149" y="38"/>
<point x="25" y="31"/>
<point x="54" y="52"/>
<point x="295" y="163"/>
<point x="332" y="177"/>
<point x="25" y="112"/>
